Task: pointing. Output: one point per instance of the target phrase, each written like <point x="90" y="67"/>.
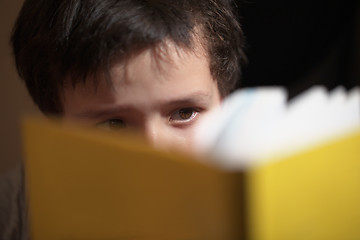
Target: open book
<point x="300" y="183"/>
<point x="255" y="124"/>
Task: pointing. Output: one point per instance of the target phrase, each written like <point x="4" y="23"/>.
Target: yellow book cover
<point x="85" y="184"/>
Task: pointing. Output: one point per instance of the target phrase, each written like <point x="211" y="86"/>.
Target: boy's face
<point x="163" y="97"/>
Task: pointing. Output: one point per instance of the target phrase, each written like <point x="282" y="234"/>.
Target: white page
<point x="254" y="123"/>
<point x="238" y="128"/>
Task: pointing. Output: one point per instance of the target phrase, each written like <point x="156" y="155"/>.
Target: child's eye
<point x="184" y="114"/>
<point x="112" y="124"/>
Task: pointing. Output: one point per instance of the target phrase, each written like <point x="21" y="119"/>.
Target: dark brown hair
<point x="59" y="38"/>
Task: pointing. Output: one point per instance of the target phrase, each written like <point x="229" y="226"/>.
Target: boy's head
<point x="126" y="62"/>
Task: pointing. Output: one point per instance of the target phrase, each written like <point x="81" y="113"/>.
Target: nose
<point x="156" y="133"/>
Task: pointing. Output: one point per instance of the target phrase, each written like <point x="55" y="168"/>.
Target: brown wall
<point x="14" y="100"/>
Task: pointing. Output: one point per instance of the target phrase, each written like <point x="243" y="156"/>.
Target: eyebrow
<point x="199" y="98"/>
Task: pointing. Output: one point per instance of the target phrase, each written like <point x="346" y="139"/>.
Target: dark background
<point x="298" y="44"/>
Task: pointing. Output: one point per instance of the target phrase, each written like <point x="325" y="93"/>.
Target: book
<point x="87" y="184"/>
<point x="256" y="123"/>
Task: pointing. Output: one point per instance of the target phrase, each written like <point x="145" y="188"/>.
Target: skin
<point x="162" y="95"/>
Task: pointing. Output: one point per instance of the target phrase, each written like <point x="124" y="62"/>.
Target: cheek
<point x="187" y="137"/>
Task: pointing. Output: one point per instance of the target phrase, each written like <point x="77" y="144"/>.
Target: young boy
<point x="153" y="65"/>
<point x="156" y="66"/>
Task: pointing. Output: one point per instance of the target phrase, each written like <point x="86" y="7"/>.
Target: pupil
<point x="185" y="113"/>
<point x="116" y="124"/>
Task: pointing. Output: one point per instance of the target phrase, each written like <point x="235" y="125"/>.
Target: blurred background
<point x="14" y="100"/>
<point x="300" y="43"/>
<point x="292" y="43"/>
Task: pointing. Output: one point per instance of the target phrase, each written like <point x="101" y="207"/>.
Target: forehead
<point x="165" y="60"/>
<point x="151" y="76"/>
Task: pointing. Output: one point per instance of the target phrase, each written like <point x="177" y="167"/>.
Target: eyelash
<point x="112" y="124"/>
<point x="175" y="118"/>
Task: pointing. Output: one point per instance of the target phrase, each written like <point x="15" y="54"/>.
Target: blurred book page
<point x="257" y="123"/>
